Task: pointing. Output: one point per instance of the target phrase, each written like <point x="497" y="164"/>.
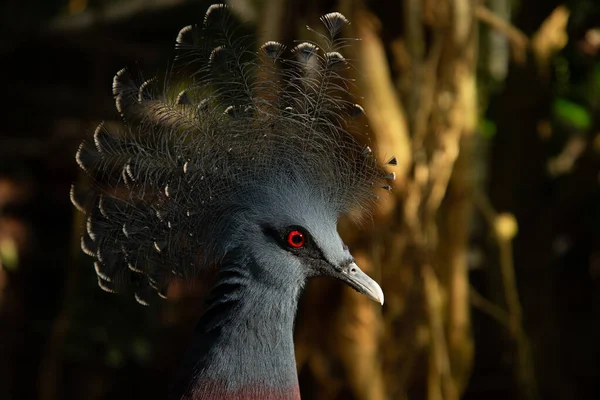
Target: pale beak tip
<point x="364" y="284"/>
<point x="380" y="295"/>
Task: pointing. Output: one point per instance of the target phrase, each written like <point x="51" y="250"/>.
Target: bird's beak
<point x="361" y="282"/>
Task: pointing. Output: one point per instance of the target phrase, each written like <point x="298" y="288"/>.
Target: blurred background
<point x="488" y="248"/>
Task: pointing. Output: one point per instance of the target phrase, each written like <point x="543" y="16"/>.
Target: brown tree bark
<point x="420" y="346"/>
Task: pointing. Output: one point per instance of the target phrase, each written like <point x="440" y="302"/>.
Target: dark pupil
<point x="297" y="238"/>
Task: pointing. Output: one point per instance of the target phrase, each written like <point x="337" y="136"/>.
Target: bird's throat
<point x="242" y="347"/>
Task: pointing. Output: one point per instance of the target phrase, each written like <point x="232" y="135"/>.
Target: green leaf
<point x="572" y="113"/>
<point x="487" y="128"/>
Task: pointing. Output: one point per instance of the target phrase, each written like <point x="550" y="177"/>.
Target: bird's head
<point x="291" y="233"/>
<point x="259" y="156"/>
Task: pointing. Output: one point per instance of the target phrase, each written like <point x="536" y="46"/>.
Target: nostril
<point x="353" y="270"/>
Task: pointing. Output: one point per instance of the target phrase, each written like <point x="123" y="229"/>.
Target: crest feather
<point x="334" y="22"/>
<point x="231" y="124"/>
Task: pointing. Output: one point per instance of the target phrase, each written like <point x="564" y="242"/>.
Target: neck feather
<point x="242" y="347"/>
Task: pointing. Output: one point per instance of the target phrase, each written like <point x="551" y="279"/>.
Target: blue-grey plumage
<point x="248" y="167"/>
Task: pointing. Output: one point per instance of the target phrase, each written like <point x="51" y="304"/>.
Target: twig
<point x="551" y="37"/>
<point x="490" y="308"/>
<point x="441" y="385"/>
<point x="426" y="86"/>
<point x="525" y="375"/>
<point x="415" y="46"/>
<point x="519" y="40"/>
<point x="389" y="121"/>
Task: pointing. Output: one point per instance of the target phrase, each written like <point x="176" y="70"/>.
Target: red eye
<point x="295" y="239"/>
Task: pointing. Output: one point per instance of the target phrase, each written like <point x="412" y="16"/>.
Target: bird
<point x="241" y="159"/>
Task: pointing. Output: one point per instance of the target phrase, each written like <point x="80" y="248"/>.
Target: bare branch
<point x="490" y="308"/>
<point x="525" y="375"/>
<point x="517" y="38"/>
